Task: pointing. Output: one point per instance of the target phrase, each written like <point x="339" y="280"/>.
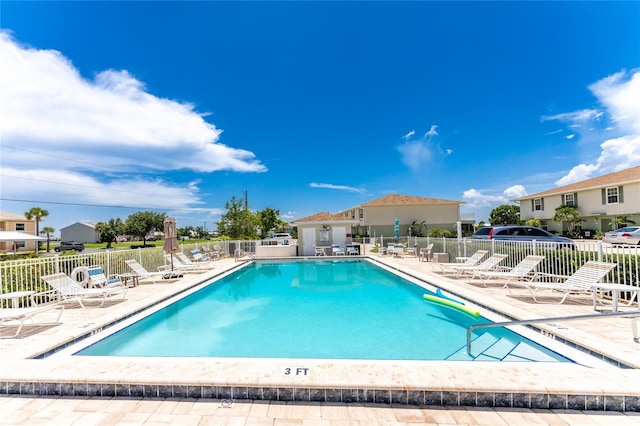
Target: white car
<point x="280" y="236"/>
<point x="626" y="235"/>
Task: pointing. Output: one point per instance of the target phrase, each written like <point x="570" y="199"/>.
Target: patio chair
<point x="21" y="315"/>
<point x="584" y="281"/>
<point x="336" y="250"/>
<point x="426" y="253"/>
<point x="471" y="261"/>
<point x="523" y="271"/>
<point x="319" y="251"/>
<point x="69" y="290"/>
<point x="143" y="274"/>
<point x="489" y="264"/>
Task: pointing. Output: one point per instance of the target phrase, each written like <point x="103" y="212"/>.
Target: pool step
<point x="487" y="348"/>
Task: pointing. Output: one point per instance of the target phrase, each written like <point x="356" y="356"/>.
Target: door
<point x="339" y="236"/>
<point x="308" y="241"/>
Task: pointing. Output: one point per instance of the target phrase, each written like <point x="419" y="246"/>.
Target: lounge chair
<point x="70" y="290"/>
<point x="182" y="262"/>
<point x="581" y="281"/>
<point x="471" y="261"/>
<point x="336" y="250"/>
<point x="352" y="250"/>
<point x="319" y="251"/>
<point x="97" y="277"/>
<point x="8" y="315"/>
<point x="522" y="271"/>
<point x="143" y="274"/>
<point x="489" y="264"/>
<point x="197" y="255"/>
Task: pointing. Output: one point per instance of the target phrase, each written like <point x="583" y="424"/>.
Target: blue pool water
<point x="346" y="309"/>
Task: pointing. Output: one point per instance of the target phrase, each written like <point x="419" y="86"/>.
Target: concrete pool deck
<point x="469" y="384"/>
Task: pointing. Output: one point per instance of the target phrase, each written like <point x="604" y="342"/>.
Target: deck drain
<point x="226" y="403"/>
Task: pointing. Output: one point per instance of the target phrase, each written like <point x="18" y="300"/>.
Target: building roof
<point x="12" y="216"/>
<point x="615" y="178"/>
<point x="325" y="217"/>
<point x="87" y="224"/>
<point x="406" y="200"/>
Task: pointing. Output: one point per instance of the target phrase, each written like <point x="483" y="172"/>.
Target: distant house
<point x="83" y="232"/>
<point x="17" y="222"/>
<point x="377" y="218"/>
<point x="599" y="201"/>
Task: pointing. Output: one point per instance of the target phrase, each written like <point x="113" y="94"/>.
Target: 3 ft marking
<point x="299" y="371"/>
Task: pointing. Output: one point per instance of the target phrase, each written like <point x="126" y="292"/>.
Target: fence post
<point x="600" y="253"/>
<point x="534" y="246"/>
<point x="57" y="257"/>
<point x="108" y="264"/>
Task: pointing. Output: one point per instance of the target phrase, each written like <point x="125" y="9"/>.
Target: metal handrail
<point x="535" y="320"/>
<point x="239" y="253"/>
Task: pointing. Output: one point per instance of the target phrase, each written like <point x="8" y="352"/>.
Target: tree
<point x="110" y="230"/>
<point x="238" y="222"/>
<point x="268" y="220"/>
<point x="47" y="230"/>
<point x="618" y="221"/>
<point x="570" y="215"/>
<point x="141" y="224"/>
<point x="36" y="213"/>
<point x="440" y="233"/>
<point x="533" y="222"/>
<point x="415" y="229"/>
<point x="506" y="214"/>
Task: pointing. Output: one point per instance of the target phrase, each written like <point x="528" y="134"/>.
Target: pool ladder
<point x="239" y="253"/>
<point x="538" y="320"/>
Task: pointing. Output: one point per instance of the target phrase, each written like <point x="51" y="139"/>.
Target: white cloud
<point x="415" y="154"/>
<point x="571" y="136"/>
<point x="408" y="135"/>
<point x="475" y="198"/>
<point x="338" y="187"/>
<point x="47" y="106"/>
<point x="618" y="95"/>
<point x="433" y="131"/>
<point x="448" y="151"/>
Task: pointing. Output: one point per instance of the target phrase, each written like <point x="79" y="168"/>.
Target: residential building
<point x="17" y="222"/>
<point x="604" y="202"/>
<point x="82" y="232"/>
<point x="377" y="218"/>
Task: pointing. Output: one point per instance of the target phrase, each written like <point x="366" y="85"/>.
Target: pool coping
<point x="542" y="385"/>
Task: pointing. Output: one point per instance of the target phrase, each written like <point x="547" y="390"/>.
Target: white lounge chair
<point x="426" y="253"/>
<point x="21" y="315"/>
<point x="489" y="264"/>
<point x="581" y="281"/>
<point x="522" y="271"/>
<point x="182" y="263"/>
<point x="198" y="256"/>
<point x="336" y="250"/>
<point x="97" y="277"/>
<point x="70" y="290"/>
<point x="471" y="261"/>
<point x="143" y="274"/>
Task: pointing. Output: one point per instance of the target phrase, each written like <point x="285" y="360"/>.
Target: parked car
<point x="279" y="236"/>
<point x="69" y="245"/>
<point x="626" y="235"/>
<point x="520" y="233"/>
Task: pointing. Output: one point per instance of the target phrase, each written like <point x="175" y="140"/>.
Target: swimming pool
<point x="338" y="309"/>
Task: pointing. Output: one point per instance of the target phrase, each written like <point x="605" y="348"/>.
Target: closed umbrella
<point x="170" y="237"/>
<point x="396" y="229"/>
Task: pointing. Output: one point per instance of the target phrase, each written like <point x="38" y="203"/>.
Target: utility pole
<point x="246" y="200"/>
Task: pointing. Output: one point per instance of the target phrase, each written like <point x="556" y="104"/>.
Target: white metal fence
<point x="24" y="274"/>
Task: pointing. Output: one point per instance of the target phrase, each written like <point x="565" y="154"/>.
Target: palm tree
<point x="569" y="214"/>
<point x="48" y="231"/>
<point x="619" y="220"/>
<point x="36" y="213"/>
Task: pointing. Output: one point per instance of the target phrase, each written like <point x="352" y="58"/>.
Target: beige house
<point x="377" y="218"/>
<point x="17" y="222"/>
<point x="599" y="200"/>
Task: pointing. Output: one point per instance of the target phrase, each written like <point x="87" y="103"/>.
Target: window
<point x="570" y="200"/>
<point x="20" y="227"/>
<point x="612" y="195"/>
<point x="537" y="204"/>
<point x="361" y="214"/>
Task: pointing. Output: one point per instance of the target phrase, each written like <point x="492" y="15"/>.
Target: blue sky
<point x="107" y="108"/>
